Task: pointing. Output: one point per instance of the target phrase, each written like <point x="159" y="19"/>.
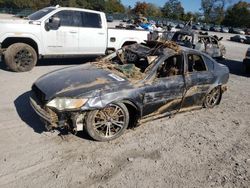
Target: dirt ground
<point x="202" y="148"/>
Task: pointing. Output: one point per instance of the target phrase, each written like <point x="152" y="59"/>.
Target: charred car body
<point x="137" y="83"/>
<point x="201" y="41"/>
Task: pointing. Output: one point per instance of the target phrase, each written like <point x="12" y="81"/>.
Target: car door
<point x="92" y="34"/>
<point x="212" y="47"/>
<point x="198" y="79"/>
<point x="164" y="94"/>
<point x="64" y="40"/>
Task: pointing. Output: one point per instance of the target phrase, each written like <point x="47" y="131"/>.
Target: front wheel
<point x="20" y="57"/>
<point x="107" y="123"/>
<point x="213" y="98"/>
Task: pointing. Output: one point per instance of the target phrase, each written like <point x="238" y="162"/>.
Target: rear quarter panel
<point x="121" y="36"/>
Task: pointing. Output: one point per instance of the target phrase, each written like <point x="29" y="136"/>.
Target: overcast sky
<point x="189" y="5"/>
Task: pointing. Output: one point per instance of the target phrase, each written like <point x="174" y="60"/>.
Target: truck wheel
<point x="20" y="57"/>
<point x="213" y="98"/>
<point x="107" y="123"/>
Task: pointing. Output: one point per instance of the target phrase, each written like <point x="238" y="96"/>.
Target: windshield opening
<point x="40" y="13"/>
<point x="133" y="61"/>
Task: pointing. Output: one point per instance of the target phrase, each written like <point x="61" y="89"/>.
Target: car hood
<point x="84" y="80"/>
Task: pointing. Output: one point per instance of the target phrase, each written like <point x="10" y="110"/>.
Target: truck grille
<point x="39" y="94"/>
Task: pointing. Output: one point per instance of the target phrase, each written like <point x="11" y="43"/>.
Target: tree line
<point x="211" y="11"/>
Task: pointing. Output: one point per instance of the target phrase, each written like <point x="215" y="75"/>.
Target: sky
<point x="189" y="5"/>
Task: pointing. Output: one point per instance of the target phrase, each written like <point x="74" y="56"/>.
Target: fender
<point x="24" y="35"/>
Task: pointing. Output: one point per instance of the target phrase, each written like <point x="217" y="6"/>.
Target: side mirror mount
<point x="53" y="23"/>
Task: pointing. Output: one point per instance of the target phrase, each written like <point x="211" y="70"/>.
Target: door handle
<point x="101" y="33"/>
<point x="73" y="32"/>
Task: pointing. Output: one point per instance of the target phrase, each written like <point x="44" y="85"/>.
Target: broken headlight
<point x="66" y="103"/>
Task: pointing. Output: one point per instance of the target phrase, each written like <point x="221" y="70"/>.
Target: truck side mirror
<point x="53" y="23"/>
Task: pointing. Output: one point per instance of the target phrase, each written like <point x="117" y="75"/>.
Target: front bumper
<point x="49" y="117"/>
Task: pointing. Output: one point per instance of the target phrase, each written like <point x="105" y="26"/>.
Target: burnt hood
<point x="77" y="81"/>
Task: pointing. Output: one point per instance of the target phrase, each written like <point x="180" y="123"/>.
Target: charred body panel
<point x="173" y="78"/>
<point x="200" y="41"/>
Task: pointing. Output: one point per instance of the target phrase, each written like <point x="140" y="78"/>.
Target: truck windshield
<point x="40" y="13"/>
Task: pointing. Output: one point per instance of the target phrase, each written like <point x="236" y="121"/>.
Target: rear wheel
<point x="20" y="57"/>
<point x="107" y="123"/>
<point x="213" y="98"/>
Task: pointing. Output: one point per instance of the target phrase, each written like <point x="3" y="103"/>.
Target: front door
<point x="63" y="40"/>
<point x="166" y="92"/>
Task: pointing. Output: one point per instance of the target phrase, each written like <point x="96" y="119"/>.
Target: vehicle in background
<point x="238" y="38"/>
<point x="196" y="27"/>
<point x="180" y="26"/>
<point x="125" y="19"/>
<point x="247" y="41"/>
<point x="164" y="22"/>
<point x="159" y="23"/>
<point x="201" y="41"/>
<point x="236" y="31"/>
<point x="215" y="28"/>
<point x="110" y="18"/>
<point x="247" y="31"/>
<point x="58" y="32"/>
<point x="224" y="29"/>
<point x="246" y="62"/>
<point x="152" y="22"/>
<point x="205" y="28"/>
<point x="138" y="83"/>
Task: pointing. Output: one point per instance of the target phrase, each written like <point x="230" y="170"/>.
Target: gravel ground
<point x="202" y="148"/>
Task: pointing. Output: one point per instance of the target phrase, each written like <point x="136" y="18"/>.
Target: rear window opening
<point x="196" y="63"/>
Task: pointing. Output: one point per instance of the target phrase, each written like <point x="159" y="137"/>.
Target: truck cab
<point x="58" y="32"/>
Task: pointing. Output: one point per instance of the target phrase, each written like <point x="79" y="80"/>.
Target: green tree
<point x="113" y="6"/>
<point x="213" y="10"/>
<point x="190" y="16"/>
<point x="153" y="11"/>
<point x="238" y="15"/>
<point x="173" y="9"/>
<point x="140" y="8"/>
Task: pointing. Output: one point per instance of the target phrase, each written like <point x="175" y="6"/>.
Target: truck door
<point x="92" y="34"/>
<point x="63" y="40"/>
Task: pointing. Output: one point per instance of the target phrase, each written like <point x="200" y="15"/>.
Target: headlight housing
<point x="66" y="103"/>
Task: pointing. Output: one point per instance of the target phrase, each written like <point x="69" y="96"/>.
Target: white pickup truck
<point x="57" y="32"/>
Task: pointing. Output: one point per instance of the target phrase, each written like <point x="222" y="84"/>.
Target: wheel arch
<point x="12" y="40"/>
<point x="126" y="43"/>
<point x="220" y="85"/>
<point x="134" y="112"/>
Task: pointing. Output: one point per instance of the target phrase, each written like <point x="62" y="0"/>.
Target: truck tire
<point x="20" y="57"/>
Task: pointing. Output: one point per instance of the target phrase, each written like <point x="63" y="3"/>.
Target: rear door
<point x="92" y="33"/>
<point x="166" y="91"/>
<point x="64" y="40"/>
<point x="199" y="77"/>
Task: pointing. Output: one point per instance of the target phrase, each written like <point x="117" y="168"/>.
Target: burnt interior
<point x="134" y="60"/>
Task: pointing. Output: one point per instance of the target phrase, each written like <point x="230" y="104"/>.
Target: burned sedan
<point x="137" y="83"/>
